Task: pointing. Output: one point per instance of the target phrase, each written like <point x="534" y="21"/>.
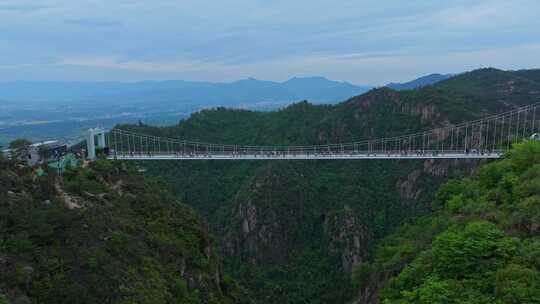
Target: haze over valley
<point x="63" y="110"/>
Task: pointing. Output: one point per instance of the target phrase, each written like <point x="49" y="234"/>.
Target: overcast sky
<point x="363" y="42"/>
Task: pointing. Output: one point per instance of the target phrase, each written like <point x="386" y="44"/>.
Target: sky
<point x="362" y="42"/>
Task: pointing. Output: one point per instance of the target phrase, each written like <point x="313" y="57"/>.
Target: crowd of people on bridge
<point x="326" y="153"/>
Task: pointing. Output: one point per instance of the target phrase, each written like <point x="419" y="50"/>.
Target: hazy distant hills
<point x="247" y="92"/>
<point x="62" y="110"/>
<point x="419" y="82"/>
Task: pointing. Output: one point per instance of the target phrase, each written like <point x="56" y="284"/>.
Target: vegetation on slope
<point x="481" y="244"/>
<point x="374" y="197"/>
<point x="103" y="234"/>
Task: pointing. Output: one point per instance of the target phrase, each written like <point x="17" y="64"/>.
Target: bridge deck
<point x="381" y="156"/>
<point x="487" y="137"/>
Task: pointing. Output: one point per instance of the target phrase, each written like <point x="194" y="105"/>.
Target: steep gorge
<point x="293" y="231"/>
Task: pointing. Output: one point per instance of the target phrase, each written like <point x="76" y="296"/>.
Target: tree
<point x="19" y="143"/>
<point x="478" y="249"/>
<point x="517" y="284"/>
<point x="19" y="148"/>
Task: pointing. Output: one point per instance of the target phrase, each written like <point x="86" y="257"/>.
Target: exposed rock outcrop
<point x="268" y="215"/>
<point x="349" y="238"/>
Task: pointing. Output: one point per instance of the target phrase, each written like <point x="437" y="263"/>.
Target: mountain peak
<point x="419" y="82"/>
<point x="308" y="79"/>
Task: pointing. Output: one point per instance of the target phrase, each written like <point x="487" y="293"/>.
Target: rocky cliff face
<point x="269" y="215"/>
<point x="275" y="211"/>
<point x="412" y="186"/>
<point x="349" y="238"/>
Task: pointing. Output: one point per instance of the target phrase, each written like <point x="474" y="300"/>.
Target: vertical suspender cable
<point x="525" y="123"/>
<point x="423" y="142"/>
<point x="481" y="137"/>
<point x="484" y="144"/>
<point x="501" y="141"/>
<point x="533" y="120"/>
<point x="465" y="139"/>
<point x="508" y="133"/>
<point x="494" y="133"/>
<point x="517" y="128"/>
<point x="538" y="130"/>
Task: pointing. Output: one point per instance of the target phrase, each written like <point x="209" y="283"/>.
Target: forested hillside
<point x="479" y="246"/>
<point x="103" y="234"/>
<point x="292" y="232"/>
<point x="419" y="82"/>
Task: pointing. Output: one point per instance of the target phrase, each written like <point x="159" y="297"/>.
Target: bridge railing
<point x="489" y="135"/>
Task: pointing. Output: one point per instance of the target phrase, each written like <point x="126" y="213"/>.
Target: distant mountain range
<point x="192" y="95"/>
<point x="419" y="82"/>
<point x="61" y="110"/>
<point x="248" y="92"/>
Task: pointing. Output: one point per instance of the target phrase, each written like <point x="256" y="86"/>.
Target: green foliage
<point x="19" y="148"/>
<point x="298" y="281"/>
<point x="487" y="253"/>
<point x="525" y="155"/>
<point x="434" y="290"/>
<point x="478" y="248"/>
<point x="3" y="299"/>
<point x="104" y="235"/>
<point x="360" y="275"/>
<point x="517" y="284"/>
<point x="19" y="143"/>
<point x="376" y="192"/>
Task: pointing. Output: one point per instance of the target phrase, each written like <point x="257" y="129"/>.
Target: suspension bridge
<point x="488" y="137"/>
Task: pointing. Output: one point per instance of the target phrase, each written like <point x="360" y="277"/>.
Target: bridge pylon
<point x="91" y="135"/>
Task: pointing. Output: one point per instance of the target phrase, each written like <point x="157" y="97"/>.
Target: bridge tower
<point x="91" y="135"/>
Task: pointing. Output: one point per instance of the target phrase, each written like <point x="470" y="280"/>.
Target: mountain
<point x="419" y="82"/>
<point x="321" y="89"/>
<point x="249" y="92"/>
<point x="295" y="231"/>
<point x="480" y="245"/>
<point x="61" y="110"/>
<point x="326" y="231"/>
<point x="103" y="234"/>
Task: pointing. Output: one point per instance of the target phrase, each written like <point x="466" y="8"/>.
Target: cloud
<point x="360" y="41"/>
<point x="94" y="22"/>
<point x="23" y="8"/>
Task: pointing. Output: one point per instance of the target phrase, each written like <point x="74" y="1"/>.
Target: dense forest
<point x="292" y="232"/>
<point x="479" y="246"/>
<point x="103" y="234"/>
<point x="269" y="231"/>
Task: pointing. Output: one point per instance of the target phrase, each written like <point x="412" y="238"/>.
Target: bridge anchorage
<point x="489" y="137"/>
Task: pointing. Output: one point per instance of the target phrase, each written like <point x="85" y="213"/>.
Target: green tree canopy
<point x="19" y="143"/>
